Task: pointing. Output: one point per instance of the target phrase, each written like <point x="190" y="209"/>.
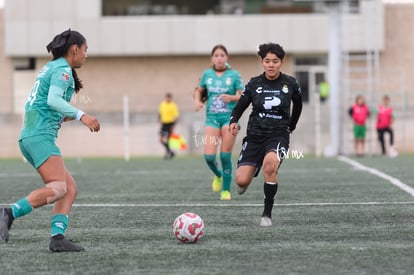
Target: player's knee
<point x="71" y="190"/>
<point x="242" y="181"/>
<point x="269" y="170"/>
<point x="59" y="190"/>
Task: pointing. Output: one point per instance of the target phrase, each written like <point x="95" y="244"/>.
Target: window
<point x="158" y="7"/>
<point x="21" y="64"/>
<point x="203" y="7"/>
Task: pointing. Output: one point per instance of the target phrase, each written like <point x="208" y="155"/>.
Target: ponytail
<point x="78" y="82"/>
<point x="60" y="46"/>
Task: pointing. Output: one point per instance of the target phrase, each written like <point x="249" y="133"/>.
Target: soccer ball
<point x="188" y="228"/>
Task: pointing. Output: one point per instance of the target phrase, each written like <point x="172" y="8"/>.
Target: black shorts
<point x="254" y="150"/>
<point x="166" y="129"/>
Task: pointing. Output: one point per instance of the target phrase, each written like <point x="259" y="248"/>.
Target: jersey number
<point x="33" y="93"/>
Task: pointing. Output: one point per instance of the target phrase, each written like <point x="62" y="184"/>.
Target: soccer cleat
<point x="60" y="244"/>
<point x="6" y="221"/>
<point x="241" y="190"/>
<point x="225" y="196"/>
<point x="265" y="221"/>
<point x="217" y="184"/>
<point x="169" y="155"/>
<point x="393" y="152"/>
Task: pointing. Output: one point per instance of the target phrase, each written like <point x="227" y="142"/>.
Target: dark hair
<point x="219" y="46"/>
<point x="266" y="48"/>
<point x="60" y="46"/>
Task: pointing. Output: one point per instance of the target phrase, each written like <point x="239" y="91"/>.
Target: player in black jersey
<point x="270" y="124"/>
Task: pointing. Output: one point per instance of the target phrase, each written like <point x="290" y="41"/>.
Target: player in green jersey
<point x="47" y="107"/>
<point x="221" y="87"/>
<point x="270" y="124"/>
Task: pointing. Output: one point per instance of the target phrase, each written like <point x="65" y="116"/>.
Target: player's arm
<point x="176" y="113"/>
<point x="238" y="111"/>
<point x="238" y="86"/>
<point x="228" y="98"/>
<point x="296" y="109"/>
<point x="66" y="119"/>
<point x="56" y="101"/>
<point x="198" y="105"/>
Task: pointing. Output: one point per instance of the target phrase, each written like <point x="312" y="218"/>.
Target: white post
<point x="126" y="127"/>
<point x="318" y="147"/>
<point x="334" y="75"/>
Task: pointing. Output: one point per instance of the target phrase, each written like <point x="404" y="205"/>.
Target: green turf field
<point x="330" y="218"/>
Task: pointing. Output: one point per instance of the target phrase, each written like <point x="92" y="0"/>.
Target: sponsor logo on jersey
<point x="260" y="90"/>
<point x="265" y="115"/>
<point x="271" y="101"/>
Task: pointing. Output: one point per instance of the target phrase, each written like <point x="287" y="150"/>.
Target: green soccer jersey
<point x="228" y="83"/>
<point x="48" y="101"/>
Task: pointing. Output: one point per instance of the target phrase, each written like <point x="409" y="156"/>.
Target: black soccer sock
<point x="167" y="147"/>
<point x="270" y="190"/>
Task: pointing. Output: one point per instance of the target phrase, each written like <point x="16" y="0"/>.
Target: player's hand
<point x="198" y="105"/>
<point x="234" y="128"/>
<point x="91" y="122"/>
<point x="226" y="98"/>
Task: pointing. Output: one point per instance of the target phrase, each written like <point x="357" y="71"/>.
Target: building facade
<point x="139" y="50"/>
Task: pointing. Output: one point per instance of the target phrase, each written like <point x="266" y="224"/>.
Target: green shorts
<point x="359" y="131"/>
<point x="38" y="149"/>
<point x="217" y="121"/>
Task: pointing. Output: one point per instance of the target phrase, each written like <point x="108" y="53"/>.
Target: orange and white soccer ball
<point x="188" y="228"/>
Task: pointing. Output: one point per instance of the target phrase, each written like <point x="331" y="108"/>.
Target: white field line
<point x="161" y="205"/>
<point x="231" y="204"/>
<point x="378" y="173"/>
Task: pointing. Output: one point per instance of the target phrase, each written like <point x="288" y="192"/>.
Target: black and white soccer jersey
<point x="271" y="105"/>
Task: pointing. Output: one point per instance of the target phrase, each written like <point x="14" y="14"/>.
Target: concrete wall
<point x="6" y="73"/>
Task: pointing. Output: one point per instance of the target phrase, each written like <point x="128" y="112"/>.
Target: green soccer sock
<point x="21" y="208"/>
<point x="59" y="224"/>
<point x="212" y="164"/>
<point x="227" y="170"/>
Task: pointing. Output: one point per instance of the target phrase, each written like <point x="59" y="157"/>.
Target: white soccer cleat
<point x="265" y="221"/>
<point x="393" y="152"/>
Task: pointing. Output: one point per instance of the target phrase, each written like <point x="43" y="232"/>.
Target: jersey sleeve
<point x="238" y="83"/>
<point x="59" y="84"/>
<point x="242" y="104"/>
<point x="202" y="82"/>
<point x="297" y="106"/>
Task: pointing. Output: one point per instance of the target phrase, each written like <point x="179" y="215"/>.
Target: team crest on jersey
<point x="65" y="77"/>
<point x="228" y="81"/>
<point x="209" y="81"/>
<point x="285" y="88"/>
